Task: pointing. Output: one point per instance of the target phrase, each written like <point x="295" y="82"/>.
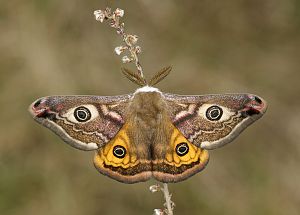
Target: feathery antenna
<point x="160" y="75"/>
<point x="134" y="77"/>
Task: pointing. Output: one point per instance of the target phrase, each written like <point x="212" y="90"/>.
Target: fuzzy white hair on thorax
<point x="147" y="89"/>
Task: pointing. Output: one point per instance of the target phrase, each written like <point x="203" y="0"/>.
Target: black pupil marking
<point x="214" y="113"/>
<point x="119" y="151"/>
<point x="182" y="149"/>
<point x="82" y="114"/>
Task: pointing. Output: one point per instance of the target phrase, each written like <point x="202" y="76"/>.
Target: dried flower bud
<point x="108" y="11"/>
<point x="158" y="212"/>
<point x="126" y="59"/>
<point x="99" y="15"/>
<point x="120" y="49"/>
<point x="138" y="49"/>
<point x="132" y="38"/>
<point x="154" y="188"/>
<point x="119" y="12"/>
<point x="113" y="23"/>
<point x="120" y="29"/>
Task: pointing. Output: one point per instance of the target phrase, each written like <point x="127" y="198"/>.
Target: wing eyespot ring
<point x="182" y="149"/>
<point x="119" y="151"/>
<point x="214" y="113"/>
<point x="82" y="114"/>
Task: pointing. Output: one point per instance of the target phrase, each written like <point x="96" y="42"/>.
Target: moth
<point x="148" y="133"/>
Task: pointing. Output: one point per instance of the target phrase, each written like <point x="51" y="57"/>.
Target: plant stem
<point x="130" y="41"/>
<point x="167" y="195"/>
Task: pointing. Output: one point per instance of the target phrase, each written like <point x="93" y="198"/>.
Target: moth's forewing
<point x="84" y="122"/>
<point x="211" y="121"/>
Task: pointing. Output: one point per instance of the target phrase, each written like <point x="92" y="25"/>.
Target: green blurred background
<point x="54" y="47"/>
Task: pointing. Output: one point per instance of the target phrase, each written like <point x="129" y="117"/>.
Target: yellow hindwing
<point x="193" y="153"/>
<point x="112" y="155"/>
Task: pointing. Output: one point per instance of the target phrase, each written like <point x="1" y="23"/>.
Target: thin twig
<point x="169" y="205"/>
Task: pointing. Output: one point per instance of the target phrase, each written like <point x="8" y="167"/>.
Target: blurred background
<point x="52" y="47"/>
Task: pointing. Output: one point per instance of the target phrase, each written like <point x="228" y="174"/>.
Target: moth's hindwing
<point x="181" y="159"/>
<point x="84" y="122"/>
<point x="120" y="160"/>
<point x="211" y="121"/>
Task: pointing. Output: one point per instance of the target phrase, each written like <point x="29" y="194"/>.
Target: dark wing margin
<point x="107" y="115"/>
